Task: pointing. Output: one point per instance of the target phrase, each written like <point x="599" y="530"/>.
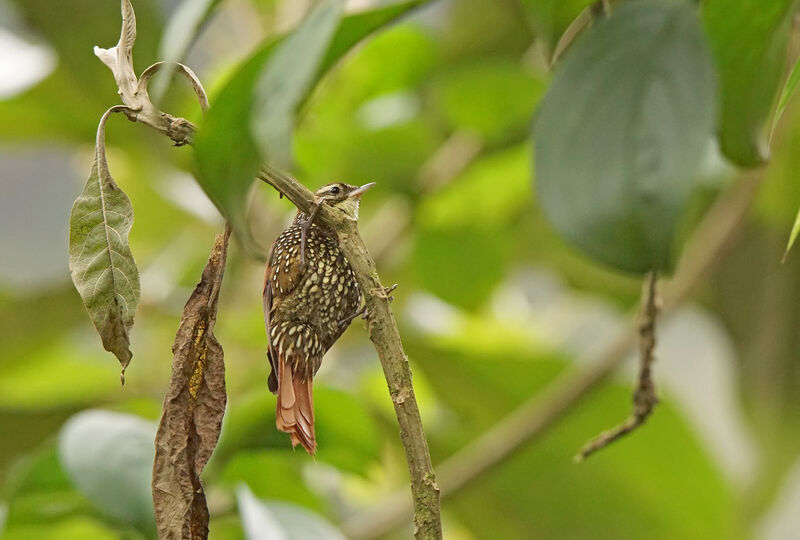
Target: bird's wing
<point x="282" y="276"/>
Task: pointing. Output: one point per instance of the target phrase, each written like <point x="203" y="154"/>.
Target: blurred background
<point x="492" y="304"/>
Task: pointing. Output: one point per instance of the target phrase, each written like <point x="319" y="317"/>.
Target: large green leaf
<point x="288" y="77"/>
<point x="227" y="156"/>
<point x="749" y="40"/>
<point x="102" y="265"/>
<point x="622" y="130"/>
<point x="109" y="457"/>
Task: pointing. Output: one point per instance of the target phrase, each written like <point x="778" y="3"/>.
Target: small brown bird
<point x="310" y="297"/>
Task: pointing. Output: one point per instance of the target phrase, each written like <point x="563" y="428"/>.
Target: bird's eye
<point x="335" y="190"/>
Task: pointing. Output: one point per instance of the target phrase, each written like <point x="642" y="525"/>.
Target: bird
<point x="310" y="297"/>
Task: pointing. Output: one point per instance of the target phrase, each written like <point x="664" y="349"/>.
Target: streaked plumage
<point x="304" y="306"/>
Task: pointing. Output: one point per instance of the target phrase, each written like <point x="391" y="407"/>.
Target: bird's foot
<point x="387" y="290"/>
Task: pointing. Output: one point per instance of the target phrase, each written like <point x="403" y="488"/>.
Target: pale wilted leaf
<point x="193" y="409"/>
<point x="100" y="259"/>
<point x="120" y="57"/>
<point x="108" y="456"/>
<point x="281" y="521"/>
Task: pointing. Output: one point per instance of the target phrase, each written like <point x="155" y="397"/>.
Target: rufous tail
<point x="295" y="414"/>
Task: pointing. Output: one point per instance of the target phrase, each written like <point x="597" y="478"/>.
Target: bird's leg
<point x="304" y="232"/>
<point x="347" y="320"/>
<point x="363" y="310"/>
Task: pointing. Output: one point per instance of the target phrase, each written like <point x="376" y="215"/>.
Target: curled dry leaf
<point x="100" y="259"/>
<point x="186" y="71"/>
<point x="120" y="57"/>
<point x="193" y="409"/>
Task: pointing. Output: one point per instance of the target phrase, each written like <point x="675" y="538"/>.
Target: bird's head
<point x="345" y="197"/>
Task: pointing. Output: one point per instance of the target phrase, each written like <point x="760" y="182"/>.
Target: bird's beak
<point x="357" y="193"/>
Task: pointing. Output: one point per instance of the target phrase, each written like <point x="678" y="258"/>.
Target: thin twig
<point x="531" y="419"/>
<point x="644" y="397"/>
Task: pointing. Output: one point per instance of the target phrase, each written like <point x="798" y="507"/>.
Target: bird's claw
<point x="387" y="290"/>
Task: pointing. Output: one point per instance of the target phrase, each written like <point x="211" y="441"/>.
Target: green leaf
<point x="180" y="32"/>
<point x="71" y="528"/>
<point x="273" y="474"/>
<point x="102" y="265"/>
<point x="453" y="207"/>
<point x="461" y="266"/>
<point x="226" y="134"/>
<point x="749" y="40"/>
<point x="508" y="97"/>
<point x="793" y="235"/>
<point x="39" y="491"/>
<point x="109" y="458"/>
<point x="288" y="78"/>
<point x="621" y="133"/>
<point x="786" y="94"/>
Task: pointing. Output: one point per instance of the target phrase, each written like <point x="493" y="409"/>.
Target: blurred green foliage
<point x="388" y="112"/>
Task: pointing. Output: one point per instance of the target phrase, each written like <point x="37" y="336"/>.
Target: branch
<point x="381" y="324"/>
<point x="644" y="398"/>
<point x="531" y="419"/>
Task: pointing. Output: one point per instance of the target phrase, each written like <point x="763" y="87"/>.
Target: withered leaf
<point x="100" y="259"/>
<point x="193" y="409"/>
<point x="120" y="57"/>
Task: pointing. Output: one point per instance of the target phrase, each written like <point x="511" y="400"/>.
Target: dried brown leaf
<point x="193" y="409"/>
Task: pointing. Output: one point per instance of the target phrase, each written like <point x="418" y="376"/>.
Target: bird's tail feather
<point x="295" y="413"/>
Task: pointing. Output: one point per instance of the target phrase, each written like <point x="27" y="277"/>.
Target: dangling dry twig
<point x="644" y="397"/>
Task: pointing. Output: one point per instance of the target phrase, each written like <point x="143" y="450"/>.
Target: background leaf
<point x="786" y="94"/>
<point x="109" y="456"/>
<point x="281" y="521"/>
<point x="621" y="131"/>
<point x="180" y="32"/>
<point x="102" y="265"/>
<point x="749" y="40"/>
